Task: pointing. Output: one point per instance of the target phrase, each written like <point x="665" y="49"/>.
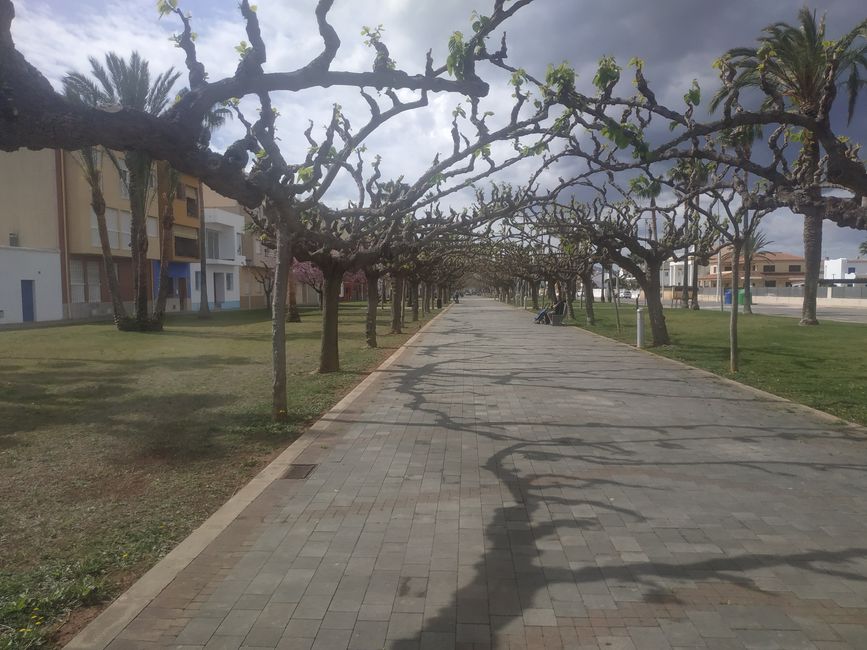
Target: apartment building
<point x="223" y="258"/>
<point x="184" y="249"/>
<point x="768" y="270"/>
<point x="258" y="259"/>
<point x="32" y="284"/>
<point x="51" y="264"/>
<point x="88" y="284"/>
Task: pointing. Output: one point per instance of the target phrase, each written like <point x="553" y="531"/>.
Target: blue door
<point x="27" y="301"/>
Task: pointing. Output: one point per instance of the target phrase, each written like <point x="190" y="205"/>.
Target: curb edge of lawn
<point x="105" y="628"/>
<point x="823" y="415"/>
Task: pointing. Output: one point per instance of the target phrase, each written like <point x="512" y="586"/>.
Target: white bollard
<point x="639" y="332"/>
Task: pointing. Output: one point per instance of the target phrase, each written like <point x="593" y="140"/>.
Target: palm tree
<point x="90" y="161"/>
<point x="128" y="84"/>
<point x="755" y="247"/>
<point x="793" y="62"/>
<point x="862" y="249"/>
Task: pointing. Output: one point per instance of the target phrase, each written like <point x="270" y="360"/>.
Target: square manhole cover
<point x="299" y="471"/>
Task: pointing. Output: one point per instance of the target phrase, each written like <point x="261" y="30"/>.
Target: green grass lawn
<point x="115" y="445"/>
<point x="824" y="367"/>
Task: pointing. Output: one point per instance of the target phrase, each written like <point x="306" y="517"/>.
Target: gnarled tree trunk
<point x="278" y="323"/>
<point x="329" y="355"/>
<point x="587" y="282"/>
<point x="396" y="304"/>
<point x="650" y="285"/>
<point x="372" y="303"/>
<point x="293" y="316"/>
<point x="733" y="322"/>
<point x="413" y="287"/>
<point x="534" y="290"/>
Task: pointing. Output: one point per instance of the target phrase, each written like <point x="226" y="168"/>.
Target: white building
<point x="31" y="285"/>
<point x="30" y="289"/>
<point x="844" y="269"/>
<point x="223" y="247"/>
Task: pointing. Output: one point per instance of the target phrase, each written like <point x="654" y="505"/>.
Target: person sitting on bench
<point x="557" y="309"/>
<point x="542" y="316"/>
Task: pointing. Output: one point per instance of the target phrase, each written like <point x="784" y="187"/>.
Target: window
<point x="768" y="268"/>
<point x="192" y="208"/>
<point x="198" y="280"/>
<point x="185" y="247"/>
<point x="794" y="268"/>
<point x="94" y="288"/>
<point x="851" y="269"/>
<point x="151" y="226"/>
<point x="77" y="280"/>
<point x="111" y="225"/>
<point x="212" y="244"/>
<point x="238" y="243"/>
<point x="770" y="283"/>
<point x="13" y="240"/>
<point x="727" y="267"/>
<point x="230" y="281"/>
<point x="181" y="191"/>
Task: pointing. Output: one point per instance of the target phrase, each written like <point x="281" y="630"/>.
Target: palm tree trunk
<point x="139" y="245"/>
<point x="97" y="202"/>
<point x="167" y="224"/>
<point x="204" y="309"/>
<point x="813" y="263"/>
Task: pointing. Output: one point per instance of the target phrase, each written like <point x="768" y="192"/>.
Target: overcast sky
<point x="678" y="39"/>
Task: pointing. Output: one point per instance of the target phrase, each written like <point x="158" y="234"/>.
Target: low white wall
<point x="795" y="301"/>
<point x="43" y="267"/>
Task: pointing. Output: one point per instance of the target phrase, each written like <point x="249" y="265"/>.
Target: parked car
<point x="625" y="293"/>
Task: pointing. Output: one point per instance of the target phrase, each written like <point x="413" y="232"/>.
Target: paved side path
<point x="509" y="485"/>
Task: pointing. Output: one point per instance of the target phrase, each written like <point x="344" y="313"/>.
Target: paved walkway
<point x="508" y="485"/>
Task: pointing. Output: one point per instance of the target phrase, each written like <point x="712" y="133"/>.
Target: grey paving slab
<point x="509" y="485"/>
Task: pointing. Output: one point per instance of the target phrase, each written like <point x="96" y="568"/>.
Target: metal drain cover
<point x="299" y="471"/>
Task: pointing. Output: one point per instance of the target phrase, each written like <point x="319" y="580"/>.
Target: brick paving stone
<point x="507" y="485"/>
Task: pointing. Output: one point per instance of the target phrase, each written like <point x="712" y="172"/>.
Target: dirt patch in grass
<point x="114" y="446"/>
